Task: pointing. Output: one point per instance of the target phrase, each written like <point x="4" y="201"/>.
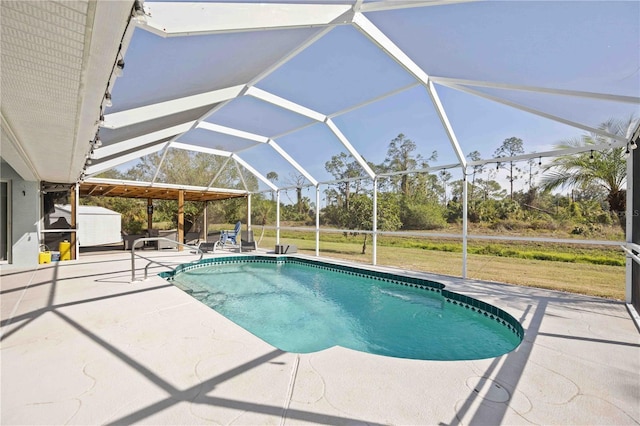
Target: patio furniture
<point x="192" y="238"/>
<point x="207" y="246"/>
<point x="286" y="249"/>
<point x="230" y="236"/>
<point x="171" y="234"/>
<point x="128" y="239"/>
<point x="247" y="242"/>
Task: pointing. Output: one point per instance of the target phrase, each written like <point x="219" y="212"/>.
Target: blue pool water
<point x="297" y="307"/>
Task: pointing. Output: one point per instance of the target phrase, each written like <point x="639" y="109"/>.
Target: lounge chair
<point x="192" y="238"/>
<point x="207" y="246"/>
<point x="171" y="234"/>
<point x="231" y="236"/>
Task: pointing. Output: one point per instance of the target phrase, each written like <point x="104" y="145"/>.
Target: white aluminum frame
<point x="179" y="19"/>
<point x="173" y="19"/>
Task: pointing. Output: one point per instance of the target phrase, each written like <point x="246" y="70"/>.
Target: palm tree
<point x="606" y="168"/>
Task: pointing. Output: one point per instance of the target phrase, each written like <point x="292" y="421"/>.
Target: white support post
<point x="465" y="206"/>
<point x="317" y="220"/>
<point x="248" y="213"/>
<point x="76" y="188"/>
<point x="629" y="230"/>
<point x="374" y="237"/>
<point x="277" y="216"/>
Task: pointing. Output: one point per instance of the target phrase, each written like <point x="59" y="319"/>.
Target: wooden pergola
<point x="157" y="191"/>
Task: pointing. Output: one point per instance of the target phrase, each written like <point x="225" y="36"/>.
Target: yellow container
<point x="65" y="250"/>
<point x="44" y="257"/>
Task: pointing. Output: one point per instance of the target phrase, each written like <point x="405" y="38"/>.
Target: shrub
<point x="454" y="212"/>
<point x="548" y="224"/>
<point x="507" y="208"/>
<point x="604" y="218"/>
<point x="578" y="230"/>
<point x="423" y="216"/>
<point x="575" y="210"/>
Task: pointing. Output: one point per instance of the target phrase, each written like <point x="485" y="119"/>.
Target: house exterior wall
<point x="25" y="213"/>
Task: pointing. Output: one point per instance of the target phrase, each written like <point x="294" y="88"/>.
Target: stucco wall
<point x="25" y="209"/>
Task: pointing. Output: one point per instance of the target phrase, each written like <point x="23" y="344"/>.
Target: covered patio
<point x="149" y="192"/>
<point x="247" y="91"/>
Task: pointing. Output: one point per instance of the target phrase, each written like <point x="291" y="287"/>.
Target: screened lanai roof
<point x="282" y="86"/>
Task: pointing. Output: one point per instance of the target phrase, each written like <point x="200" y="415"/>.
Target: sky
<point x="589" y="46"/>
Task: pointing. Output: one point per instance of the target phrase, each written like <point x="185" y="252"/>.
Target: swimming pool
<point x="301" y="305"/>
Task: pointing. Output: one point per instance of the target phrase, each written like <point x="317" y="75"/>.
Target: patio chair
<point x="207" y="246"/>
<point x="128" y="239"/>
<point x="192" y="238"/>
<point x="230" y="236"/>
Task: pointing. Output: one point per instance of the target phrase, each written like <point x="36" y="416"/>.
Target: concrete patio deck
<point x="83" y="345"/>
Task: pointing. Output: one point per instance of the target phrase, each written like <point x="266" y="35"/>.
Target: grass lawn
<point x="584" y="278"/>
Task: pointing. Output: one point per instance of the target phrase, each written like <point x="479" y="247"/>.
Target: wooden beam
<point x="108" y="190"/>
<point x="93" y="189"/>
